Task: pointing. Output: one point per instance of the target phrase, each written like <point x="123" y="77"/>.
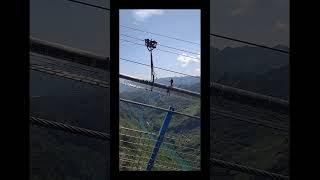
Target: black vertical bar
<point x="114" y="89"/>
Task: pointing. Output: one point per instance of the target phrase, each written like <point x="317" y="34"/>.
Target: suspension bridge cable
<point x="71" y="54"/>
<point x="251" y="120"/>
<point x="219" y="36"/>
<point x="105" y="85"/>
<point x="158" y="108"/>
<point x="56" y="62"/>
<point x="249" y="94"/>
<point x="212" y="34"/>
<point x="67" y="53"/>
<point x="159" y="92"/>
<point x="192" y="57"/>
<point x="170" y="47"/>
<point x="100" y="82"/>
<point x="90" y="5"/>
<point x="128" y="61"/>
<point x="68" y="128"/>
<point x="156" y="67"/>
<point x="160" y="44"/>
<point x="253" y="109"/>
<point x="232" y="114"/>
<point x="154" y="140"/>
<point x="246" y="169"/>
<point x="170" y="37"/>
<point x="166" y="163"/>
<point x="161" y="155"/>
<point x="250" y="43"/>
<point x="145" y="132"/>
<point x="157" y="160"/>
<point x="104" y="136"/>
<point x="151" y="146"/>
<point x="159" y="85"/>
<point x="68" y="75"/>
<point x="159" y="165"/>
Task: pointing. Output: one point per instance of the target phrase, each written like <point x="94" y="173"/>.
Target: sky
<point x="259" y="21"/>
<point x="87" y="28"/>
<point x="182" y="24"/>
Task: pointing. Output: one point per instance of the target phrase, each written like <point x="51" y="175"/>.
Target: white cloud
<point x="142" y="15"/>
<point x="185" y="59"/>
<point x="197" y="71"/>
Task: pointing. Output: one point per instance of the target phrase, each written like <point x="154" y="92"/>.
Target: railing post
<point x="159" y="141"/>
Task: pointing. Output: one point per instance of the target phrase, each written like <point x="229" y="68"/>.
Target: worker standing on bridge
<point x="171" y="84"/>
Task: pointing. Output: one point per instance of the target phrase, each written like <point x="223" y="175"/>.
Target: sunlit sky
<point x="182" y="24"/>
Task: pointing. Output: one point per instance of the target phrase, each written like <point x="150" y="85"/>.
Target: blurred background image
<point x="69" y="75"/>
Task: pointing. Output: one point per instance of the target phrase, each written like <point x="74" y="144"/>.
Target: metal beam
<point x="158" y="85"/>
<point x="159" y="108"/>
<point x="97" y="61"/>
<point x="68" y="53"/>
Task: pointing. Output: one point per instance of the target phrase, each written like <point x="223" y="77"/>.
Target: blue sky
<point x="182" y="24"/>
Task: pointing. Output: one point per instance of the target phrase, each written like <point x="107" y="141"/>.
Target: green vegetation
<point x="184" y="131"/>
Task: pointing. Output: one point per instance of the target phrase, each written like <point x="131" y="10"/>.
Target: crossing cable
<point x="154" y="135"/>
<point x="250" y="120"/>
<point x="157" y="164"/>
<point x="192" y="57"/>
<point x="219" y="36"/>
<point x="162" y="166"/>
<point x="151" y="146"/>
<point x="70" y="54"/>
<point x="161" y="155"/>
<point x="154" y="140"/>
<point x="98" y="83"/>
<point x="155" y="91"/>
<point x="212" y="34"/>
<point x="159" y="85"/>
<point x="157" y="160"/>
<point x="105" y="85"/>
<point x="245" y="108"/>
<point x="48" y="48"/>
<point x="250" y="43"/>
<point x="68" y="75"/>
<point x="145" y="132"/>
<point x="168" y="70"/>
<point x="68" y="66"/>
<point x="246" y="169"/>
<point x="69" y="128"/>
<point x="90" y="5"/>
<point x="159" y="108"/>
<point x="170" y="37"/>
<point x="104" y="136"/>
<point x="247" y="118"/>
<point x="160" y="44"/>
